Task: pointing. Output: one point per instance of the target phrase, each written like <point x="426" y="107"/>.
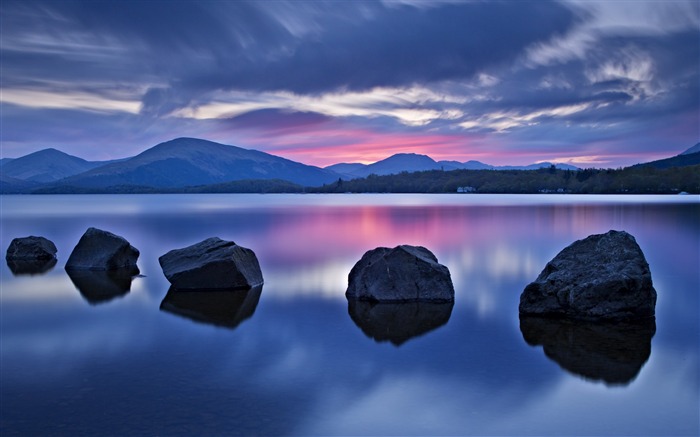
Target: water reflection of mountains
<point x="225" y="308"/>
<point x="398" y="322"/>
<point x="100" y="286"/>
<point x="610" y="352"/>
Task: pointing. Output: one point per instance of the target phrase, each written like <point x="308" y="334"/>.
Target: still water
<point x="102" y="356"/>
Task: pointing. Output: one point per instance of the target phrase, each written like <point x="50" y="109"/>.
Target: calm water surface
<point x="102" y="356"/>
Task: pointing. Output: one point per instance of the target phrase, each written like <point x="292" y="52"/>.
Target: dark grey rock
<point x="398" y="322"/>
<point x="212" y="264"/>
<point x="610" y="351"/>
<point x="102" y="250"/>
<point x="30" y="267"/>
<point x="31" y="249"/>
<point x="100" y="286"/>
<point x="225" y="308"/>
<point x="402" y="274"/>
<point x="603" y="276"/>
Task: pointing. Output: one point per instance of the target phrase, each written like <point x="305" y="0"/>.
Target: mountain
<point x="694" y="149"/>
<point x="469" y="165"/>
<point x="190" y="161"/>
<point x="537" y="166"/>
<point x="346" y="169"/>
<point x="4" y="161"/>
<point x="411" y="162"/>
<point x="682" y="160"/>
<point x="46" y="165"/>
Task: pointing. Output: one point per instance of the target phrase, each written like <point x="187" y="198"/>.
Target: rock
<point x="102" y="250"/>
<point x="99" y="286"/>
<point x="212" y="264"/>
<point x="31" y="249"/>
<point x="610" y="351"/>
<point x="30" y="267"/>
<point x="603" y="276"/>
<point x="398" y="322"/>
<point x="225" y="308"/>
<point x="402" y="274"/>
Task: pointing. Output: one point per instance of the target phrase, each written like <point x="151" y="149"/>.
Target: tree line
<point x="630" y="180"/>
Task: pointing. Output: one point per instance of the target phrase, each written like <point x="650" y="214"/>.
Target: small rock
<point x="212" y="264"/>
<point x="31" y="249"/>
<point x="603" y="276"/>
<point x="102" y="250"/>
<point x="31" y="267"/>
<point x="402" y="274"/>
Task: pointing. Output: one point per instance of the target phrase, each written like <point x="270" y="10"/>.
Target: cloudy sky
<point x="596" y="84"/>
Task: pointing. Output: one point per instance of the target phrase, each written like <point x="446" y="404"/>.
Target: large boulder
<point x="212" y="264"/>
<point x="402" y="274"/>
<point x="603" y="276"/>
<point x="102" y="250"/>
<point x="31" y="249"/>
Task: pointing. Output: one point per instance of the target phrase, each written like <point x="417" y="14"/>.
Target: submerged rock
<point x="225" y="308"/>
<point x="102" y="250"/>
<point x="99" y="286"/>
<point x="402" y="274"/>
<point x="31" y="249"/>
<point x="612" y="352"/>
<point x="603" y="276"/>
<point x="398" y="322"/>
<point x="212" y="264"/>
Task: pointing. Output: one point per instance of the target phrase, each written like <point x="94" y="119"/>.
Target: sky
<point x="595" y="84"/>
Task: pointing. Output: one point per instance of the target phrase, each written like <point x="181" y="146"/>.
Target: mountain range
<point x="411" y="162"/>
<point x="187" y="162"/>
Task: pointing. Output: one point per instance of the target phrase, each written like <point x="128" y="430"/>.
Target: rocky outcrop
<point x="398" y="322"/>
<point x="102" y="250"/>
<point x="402" y="274"/>
<point x="31" y="249"/>
<point x="612" y="352"/>
<point x="224" y="308"/>
<point x="603" y="276"/>
<point x="212" y="264"/>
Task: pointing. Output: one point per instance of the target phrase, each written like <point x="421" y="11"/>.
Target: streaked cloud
<point x="493" y="80"/>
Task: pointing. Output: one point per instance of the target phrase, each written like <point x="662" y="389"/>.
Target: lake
<point x="109" y="357"/>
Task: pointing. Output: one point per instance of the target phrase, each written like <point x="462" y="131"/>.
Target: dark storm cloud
<point x="240" y="45"/>
<point x="400" y="47"/>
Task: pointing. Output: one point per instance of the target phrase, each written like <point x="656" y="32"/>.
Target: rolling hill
<point x="48" y="165"/>
<point x="191" y="161"/>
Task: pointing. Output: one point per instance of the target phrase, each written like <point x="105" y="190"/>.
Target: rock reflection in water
<point x="398" y="322"/>
<point x="30" y="267"/>
<point x="226" y="308"/>
<point x="601" y="351"/>
<point x="99" y="286"/>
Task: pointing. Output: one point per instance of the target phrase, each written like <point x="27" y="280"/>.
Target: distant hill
<point x="46" y="165"/>
<point x="469" y="165"/>
<point x="687" y="158"/>
<point x="411" y="162"/>
<point x="694" y="149"/>
<point x="4" y="161"/>
<point x="10" y="185"/>
<point x="190" y="161"/>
